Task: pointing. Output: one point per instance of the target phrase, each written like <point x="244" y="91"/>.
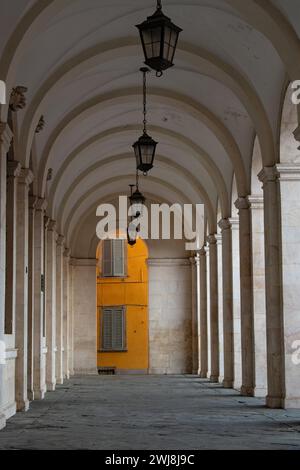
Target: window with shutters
<point x="114" y="258"/>
<point x="113" y="329"/>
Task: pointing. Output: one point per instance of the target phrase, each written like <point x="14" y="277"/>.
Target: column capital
<point x="25" y="177"/>
<point x="256" y="201"/>
<point x="268" y="174"/>
<point x="51" y="227"/>
<point x="288" y="171"/>
<point x="60" y="240"/>
<point x="41" y="204"/>
<point x="212" y="239"/>
<point x="202" y="252"/>
<point x="13" y="168"/>
<point x="242" y="203"/>
<point x="225" y="224"/>
<point x="67" y="253"/>
<point x="6" y="136"/>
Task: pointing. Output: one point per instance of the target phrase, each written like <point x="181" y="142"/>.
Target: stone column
<point x="24" y="180"/>
<point x="203" y="315"/>
<point x="214" y="317"/>
<point x="13" y="171"/>
<point x="51" y="236"/>
<point x="195" y="363"/>
<point x="66" y="314"/>
<point x="247" y="320"/>
<point x="39" y="376"/>
<point x="236" y="297"/>
<point x="30" y="352"/>
<point x="220" y="308"/>
<point x="259" y="293"/>
<point x="282" y="211"/>
<point x="5" y="140"/>
<point x="208" y="311"/>
<point x="71" y="331"/>
<point x="59" y="310"/>
<point x="227" y="279"/>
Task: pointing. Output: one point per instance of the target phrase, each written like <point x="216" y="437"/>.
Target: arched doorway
<point x="122" y="307"/>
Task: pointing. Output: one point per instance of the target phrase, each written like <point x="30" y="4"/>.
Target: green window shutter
<point x="113" y="329"/>
<point x="107" y="254"/>
<point x="119" y="258"/>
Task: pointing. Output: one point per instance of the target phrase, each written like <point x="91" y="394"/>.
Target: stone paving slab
<point x="150" y="412"/>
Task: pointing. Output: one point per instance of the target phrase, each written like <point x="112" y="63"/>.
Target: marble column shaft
<point x="39" y="381"/>
<point x="30" y="350"/>
<point x="195" y="355"/>
<point x="59" y="309"/>
<point x="214" y="317"/>
<point x="13" y="171"/>
<point x="259" y="293"/>
<point x="5" y="141"/>
<point x="220" y="308"/>
<point x="203" y="315"/>
<point x="66" y="313"/>
<point x="227" y="279"/>
<point x="247" y="315"/>
<point x="51" y="236"/>
<point x="24" y="180"/>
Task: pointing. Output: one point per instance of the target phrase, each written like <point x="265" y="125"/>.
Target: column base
<point x="247" y="391"/>
<point x="2" y="421"/>
<point x="291" y="403"/>
<point x="275" y="402"/>
<point x="203" y="375"/>
<point x="60" y="381"/>
<point x="39" y="394"/>
<point x="22" y="406"/>
<point x="214" y="379"/>
<point x="260" y="392"/>
<point x="227" y="383"/>
<point x="51" y="386"/>
<point x="30" y="395"/>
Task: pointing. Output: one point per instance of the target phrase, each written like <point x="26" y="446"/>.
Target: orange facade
<point x="132" y="293"/>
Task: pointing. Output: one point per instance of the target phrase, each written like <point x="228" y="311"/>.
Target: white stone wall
<point x="170" y="316"/>
<point x="85" y="319"/>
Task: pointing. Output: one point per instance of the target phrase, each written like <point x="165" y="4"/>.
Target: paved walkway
<point x="145" y="412"/>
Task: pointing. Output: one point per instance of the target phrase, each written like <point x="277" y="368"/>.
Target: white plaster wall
<point x="84" y="309"/>
<point x="170" y="316"/>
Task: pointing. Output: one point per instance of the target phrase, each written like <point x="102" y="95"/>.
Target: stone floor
<point x="147" y="412"/>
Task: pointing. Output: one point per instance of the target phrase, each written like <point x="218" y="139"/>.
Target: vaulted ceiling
<point x="80" y="60"/>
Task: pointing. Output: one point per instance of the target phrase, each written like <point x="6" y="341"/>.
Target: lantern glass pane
<point x="156" y="41"/>
<point x="170" y="43"/>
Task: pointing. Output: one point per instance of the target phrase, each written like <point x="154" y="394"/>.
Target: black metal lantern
<point x="145" y="147"/>
<point x="137" y="200"/>
<point x="159" y="38"/>
<point x="131" y="234"/>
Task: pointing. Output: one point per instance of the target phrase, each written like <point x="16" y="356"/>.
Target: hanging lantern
<point x="137" y="200"/>
<point x="159" y="38"/>
<point x="145" y="146"/>
<point x="131" y="234"/>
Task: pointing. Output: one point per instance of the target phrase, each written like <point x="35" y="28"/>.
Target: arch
<point x="183" y="103"/>
<point x="94" y="193"/>
<point x="205" y="62"/>
<point x="289" y="147"/>
<point x="182" y="142"/>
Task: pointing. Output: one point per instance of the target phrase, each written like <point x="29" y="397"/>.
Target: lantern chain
<point x="145" y="101"/>
<point x="159" y="4"/>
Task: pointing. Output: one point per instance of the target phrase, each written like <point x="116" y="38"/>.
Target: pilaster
<point x="214" y="313"/>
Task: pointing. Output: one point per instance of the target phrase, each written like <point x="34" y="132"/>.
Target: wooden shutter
<point x="107" y="254"/>
<point x="113" y="329"/>
<point x="119" y="258"/>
